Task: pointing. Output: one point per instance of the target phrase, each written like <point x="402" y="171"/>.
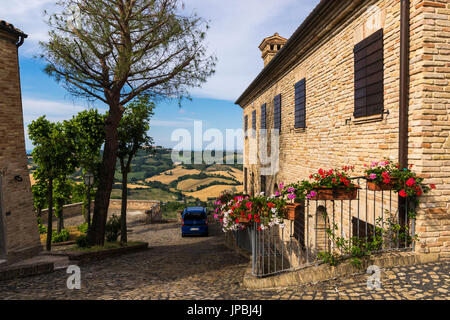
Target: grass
<point x="107" y="246"/>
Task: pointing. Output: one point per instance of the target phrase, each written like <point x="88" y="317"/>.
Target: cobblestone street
<point x="203" y="268"/>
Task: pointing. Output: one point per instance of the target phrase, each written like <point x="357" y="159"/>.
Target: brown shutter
<point x="300" y="104"/>
<point x="277" y="112"/>
<point x="369" y="76"/>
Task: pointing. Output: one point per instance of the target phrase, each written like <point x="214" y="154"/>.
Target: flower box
<point x="325" y="193"/>
<point x="291" y="211"/>
<point x="243" y="220"/>
<point x="374" y="186"/>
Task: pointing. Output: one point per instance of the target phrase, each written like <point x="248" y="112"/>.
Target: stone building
<point x="19" y="237"/>
<point x="359" y="81"/>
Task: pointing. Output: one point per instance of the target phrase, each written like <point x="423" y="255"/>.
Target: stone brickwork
<point x="19" y="233"/>
<point x="334" y="138"/>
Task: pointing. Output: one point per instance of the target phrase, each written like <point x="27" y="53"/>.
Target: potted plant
<point x="333" y="184"/>
<point x="380" y="175"/>
<point x="408" y="184"/>
<point x="295" y="193"/>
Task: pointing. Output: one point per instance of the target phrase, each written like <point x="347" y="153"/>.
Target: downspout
<point x="404" y="84"/>
<point x="404" y="106"/>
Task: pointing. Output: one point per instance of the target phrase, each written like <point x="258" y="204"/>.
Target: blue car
<point x="194" y="221"/>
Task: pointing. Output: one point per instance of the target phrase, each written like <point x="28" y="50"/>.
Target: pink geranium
<point x="373" y="176"/>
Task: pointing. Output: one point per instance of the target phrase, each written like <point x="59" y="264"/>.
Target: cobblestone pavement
<point x="203" y="268"/>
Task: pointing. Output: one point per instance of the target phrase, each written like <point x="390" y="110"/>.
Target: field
<point x="194" y="184"/>
<point x="213" y="191"/>
<point x="172" y="175"/>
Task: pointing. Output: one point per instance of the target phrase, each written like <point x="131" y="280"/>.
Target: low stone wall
<point x="151" y="208"/>
<point x="69" y="210"/>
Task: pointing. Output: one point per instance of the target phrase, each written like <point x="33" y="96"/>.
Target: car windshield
<point x="194" y="216"/>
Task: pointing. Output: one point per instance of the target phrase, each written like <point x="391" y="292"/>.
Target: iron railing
<point x="375" y="219"/>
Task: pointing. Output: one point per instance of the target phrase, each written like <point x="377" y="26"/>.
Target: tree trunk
<point x="50" y="215"/>
<point x="96" y="234"/>
<point x="123" y="212"/>
<point x="60" y="218"/>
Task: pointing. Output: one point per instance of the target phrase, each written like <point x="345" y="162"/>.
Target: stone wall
<point x="19" y="221"/>
<point x="135" y="207"/>
<point x="333" y="138"/>
<point x="69" y="210"/>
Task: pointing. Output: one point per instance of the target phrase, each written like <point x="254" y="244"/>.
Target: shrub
<point x="82" y="241"/>
<point x="60" y="237"/>
<point x="112" y="229"/>
<point x="83" y="228"/>
<point x="41" y="227"/>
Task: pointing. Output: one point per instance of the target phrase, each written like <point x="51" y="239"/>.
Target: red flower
<point x="433" y="186"/>
<point x="249" y="216"/>
<point x="403" y="194"/>
<point x="410" y="182"/>
<point x="418" y="191"/>
<point x="386" y="180"/>
<point x="237" y="221"/>
<point x="270" y="205"/>
<point x="249" y="205"/>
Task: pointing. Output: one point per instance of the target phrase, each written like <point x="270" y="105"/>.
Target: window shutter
<point x="300" y="104"/>
<point x="254" y="120"/>
<point x="263" y="184"/>
<point x="277" y="112"/>
<point x="369" y="76"/>
<point x="245" y="180"/>
<point x="263" y="116"/>
<point x="245" y="125"/>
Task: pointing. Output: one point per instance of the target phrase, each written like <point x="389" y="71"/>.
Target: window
<point x="369" y="76"/>
<point x="245" y="125"/>
<point x="277" y="112"/>
<point x="263" y="184"/>
<point x="300" y="104"/>
<point x="254" y="121"/>
<point x="245" y="180"/>
<point x="263" y="116"/>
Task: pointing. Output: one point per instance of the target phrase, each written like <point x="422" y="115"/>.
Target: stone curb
<point x="26" y="270"/>
<point x="325" y="272"/>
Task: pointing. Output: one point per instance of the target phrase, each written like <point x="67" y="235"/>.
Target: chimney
<point x="270" y="47"/>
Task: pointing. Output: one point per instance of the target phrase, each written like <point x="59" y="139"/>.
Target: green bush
<point x="41" y="227"/>
<point x="82" y="241"/>
<point x="83" y="227"/>
<point x="112" y="230"/>
<point x="60" y="237"/>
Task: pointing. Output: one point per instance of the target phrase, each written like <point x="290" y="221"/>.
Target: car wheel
<point x="206" y="234"/>
<point x="183" y="235"/>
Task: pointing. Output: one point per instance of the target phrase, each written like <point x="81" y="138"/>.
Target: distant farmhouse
<point x="19" y="237"/>
<point x="359" y="81"/>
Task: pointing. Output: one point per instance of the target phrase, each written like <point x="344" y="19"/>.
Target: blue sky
<point x="237" y="27"/>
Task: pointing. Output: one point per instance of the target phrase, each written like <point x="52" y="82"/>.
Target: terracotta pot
<point x="374" y="186"/>
<point x="243" y="220"/>
<point x="291" y="212"/>
<point x="336" y="193"/>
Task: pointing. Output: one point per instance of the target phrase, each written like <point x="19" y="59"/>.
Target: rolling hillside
<point x="155" y="177"/>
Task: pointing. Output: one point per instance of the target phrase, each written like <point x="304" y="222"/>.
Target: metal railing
<point x="375" y="219"/>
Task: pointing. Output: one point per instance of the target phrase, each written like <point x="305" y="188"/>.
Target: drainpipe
<point x="404" y="85"/>
<point x="404" y="105"/>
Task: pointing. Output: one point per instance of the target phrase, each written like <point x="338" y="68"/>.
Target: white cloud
<point x="237" y="28"/>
